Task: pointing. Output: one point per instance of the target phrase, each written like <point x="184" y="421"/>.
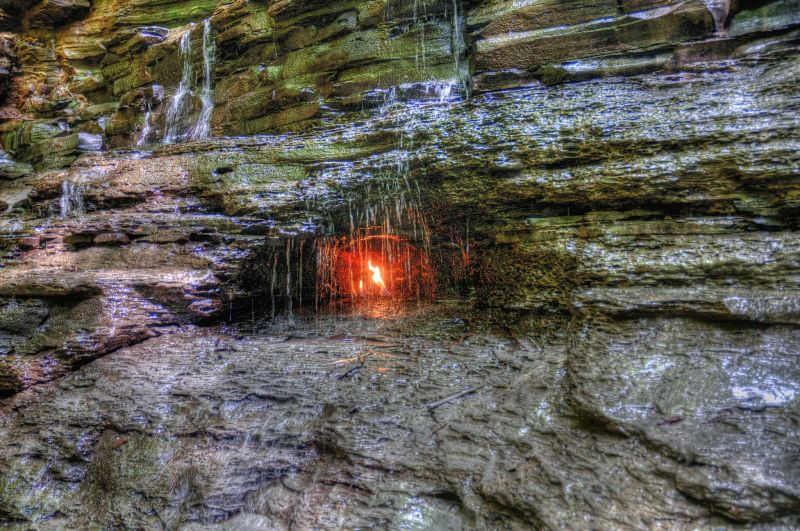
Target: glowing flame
<point x="377" y="278"/>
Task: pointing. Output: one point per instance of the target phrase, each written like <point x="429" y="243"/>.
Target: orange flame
<point x="377" y="278"/>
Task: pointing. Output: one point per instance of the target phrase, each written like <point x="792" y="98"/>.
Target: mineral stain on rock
<point x="406" y="264"/>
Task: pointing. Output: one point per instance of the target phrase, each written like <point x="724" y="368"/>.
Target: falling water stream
<point x="202" y="128"/>
<point x="71" y="201"/>
<point x="146" y="128"/>
<point x="179" y="100"/>
<point x="719" y="10"/>
<point x="147" y="121"/>
<point x="182" y="122"/>
<point x="384" y="226"/>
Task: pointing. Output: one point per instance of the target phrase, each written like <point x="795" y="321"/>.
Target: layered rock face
<point x="288" y="65"/>
<point x="608" y="195"/>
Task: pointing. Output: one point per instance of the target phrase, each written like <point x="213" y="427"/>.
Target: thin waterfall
<point x="180" y="108"/>
<point x="90" y="142"/>
<point x="388" y="228"/>
<point x="202" y="128"/>
<point x="719" y="10"/>
<point x="430" y="85"/>
<point x="180" y="99"/>
<point x="71" y="201"/>
<point x="146" y="128"/>
<point x="460" y="79"/>
<point x="388" y="224"/>
<point x="458" y="38"/>
<point x="419" y="22"/>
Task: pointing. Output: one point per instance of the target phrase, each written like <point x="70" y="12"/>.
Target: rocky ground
<point x="347" y="423"/>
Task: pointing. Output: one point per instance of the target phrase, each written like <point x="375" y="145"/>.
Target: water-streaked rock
<point x="615" y="339"/>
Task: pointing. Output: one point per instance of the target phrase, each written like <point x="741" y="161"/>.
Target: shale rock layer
<point x="607" y="194"/>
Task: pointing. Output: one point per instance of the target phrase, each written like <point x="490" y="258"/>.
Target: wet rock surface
<point x="289" y="65"/>
<point x="362" y="442"/>
<point x="352" y="423"/>
<point x="627" y="356"/>
<point x="616" y="262"/>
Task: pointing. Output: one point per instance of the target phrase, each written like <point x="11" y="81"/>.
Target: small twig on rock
<point x="358" y="357"/>
<point x="437" y="428"/>
<point x="349" y="372"/>
<point x="443" y="401"/>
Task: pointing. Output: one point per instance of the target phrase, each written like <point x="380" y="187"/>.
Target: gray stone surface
<point x="617" y="264"/>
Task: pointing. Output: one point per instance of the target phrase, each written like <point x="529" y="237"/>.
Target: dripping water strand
<point x="461" y="69"/>
<point x="180" y="105"/>
<point x="71" y="201"/>
<point x="719" y="11"/>
<point x="145" y="134"/>
<point x="179" y="100"/>
<point x="289" y="246"/>
<point x="147" y="126"/>
<point x="202" y="128"/>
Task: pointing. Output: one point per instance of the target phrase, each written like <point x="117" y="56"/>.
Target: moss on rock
<point x="524" y="277"/>
<point x="10" y="382"/>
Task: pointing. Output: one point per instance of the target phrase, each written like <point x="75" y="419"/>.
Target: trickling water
<point x="418" y="17"/>
<point x="90" y="142"/>
<point x="71" y="201"/>
<point x="386" y="229"/>
<point x="202" y="128"/>
<point x="181" y="107"/>
<point x="146" y="128"/>
<point x="461" y="75"/>
<point x="180" y="99"/>
<point x="459" y="43"/>
<point x="422" y="55"/>
<point x="384" y="223"/>
<point x="719" y="10"/>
